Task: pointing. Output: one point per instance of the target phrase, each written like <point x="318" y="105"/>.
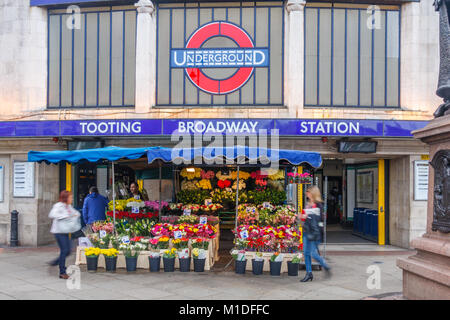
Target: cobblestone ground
<point x="24" y="274"/>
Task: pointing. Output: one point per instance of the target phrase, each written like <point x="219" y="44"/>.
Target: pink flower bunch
<point x="207" y="174"/>
<point x="162" y="229"/>
<point x="155" y="204"/>
<point x="300" y="175"/>
<point x="105" y="226"/>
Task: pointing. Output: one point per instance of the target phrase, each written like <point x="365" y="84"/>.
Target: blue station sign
<point x="158" y="127"/>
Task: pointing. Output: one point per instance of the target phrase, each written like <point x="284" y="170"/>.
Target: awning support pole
<point x="159" y="204"/>
<point x="114" y="198"/>
<point x="237" y="199"/>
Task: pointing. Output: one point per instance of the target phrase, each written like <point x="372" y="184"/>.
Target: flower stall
<point x="184" y="234"/>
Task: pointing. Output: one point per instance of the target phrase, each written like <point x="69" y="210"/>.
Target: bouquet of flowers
<point x="242" y="185"/>
<point x="276" y="257"/>
<point x="154" y="205"/>
<point x="207" y="174"/>
<point x="182" y="247"/>
<point x="240" y="244"/>
<point x="192" y="219"/>
<point x="200" y="243"/>
<point x="162" y="229"/>
<point x="109" y="252"/>
<point x="243" y="175"/>
<point x="247" y="214"/>
<point x="189" y="185"/>
<point x="176" y="208"/>
<point x="204" y="184"/>
<point x="204" y="231"/>
<point x="163" y="242"/>
<point x="193" y="207"/>
<point x="304" y="178"/>
<point x="102" y="225"/>
<point x="131" y="250"/>
<point x="92" y="252"/>
<point x="211" y="208"/>
<point x="185" y="229"/>
<point x="191" y="175"/>
<point x="170" y="253"/>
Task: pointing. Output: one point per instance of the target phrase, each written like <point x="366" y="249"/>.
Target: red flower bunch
<point x="257" y="175"/>
<point x="261" y="182"/>
<point x="134" y="216"/>
<point x="224" y="184"/>
<point x="136" y="239"/>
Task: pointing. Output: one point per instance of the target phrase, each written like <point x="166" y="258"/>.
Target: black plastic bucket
<point x="275" y="268"/>
<point x="292" y="269"/>
<point x="199" y="265"/>
<point x="154" y="264"/>
<point x="110" y="264"/>
<point x="239" y="266"/>
<point x="131" y="263"/>
<point x="185" y="264"/>
<point x="92" y="263"/>
<point x="257" y="267"/>
<point x="169" y="264"/>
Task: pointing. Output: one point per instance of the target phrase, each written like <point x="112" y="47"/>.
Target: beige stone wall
<point x="34" y="224"/>
<point x="23" y="73"/>
<point x="407" y="217"/>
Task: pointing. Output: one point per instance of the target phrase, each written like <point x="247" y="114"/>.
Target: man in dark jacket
<point x="94" y="207"/>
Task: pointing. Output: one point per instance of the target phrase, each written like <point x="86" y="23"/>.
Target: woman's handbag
<point x="69" y="225"/>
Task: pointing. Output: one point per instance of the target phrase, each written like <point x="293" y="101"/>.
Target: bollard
<point x="14" y="228"/>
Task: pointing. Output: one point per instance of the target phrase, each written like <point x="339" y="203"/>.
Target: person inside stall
<point x="135" y="193"/>
<point x="94" y="208"/>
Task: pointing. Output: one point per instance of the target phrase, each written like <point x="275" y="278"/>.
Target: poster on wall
<point x="23" y="179"/>
<point x="421" y="180"/>
<point x="364" y="186"/>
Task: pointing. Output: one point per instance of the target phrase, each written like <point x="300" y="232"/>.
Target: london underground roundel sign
<point x="245" y="57"/>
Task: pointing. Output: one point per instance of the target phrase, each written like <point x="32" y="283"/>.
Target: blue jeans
<point x="65" y="247"/>
<point x="310" y="250"/>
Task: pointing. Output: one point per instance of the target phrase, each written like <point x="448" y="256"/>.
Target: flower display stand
<point x="266" y="256"/>
<point x="143" y="263"/>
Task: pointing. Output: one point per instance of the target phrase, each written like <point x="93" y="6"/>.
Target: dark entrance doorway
<point x="334" y="200"/>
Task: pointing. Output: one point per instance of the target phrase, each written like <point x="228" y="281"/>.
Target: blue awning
<point x="255" y="155"/>
<point x="90" y="155"/>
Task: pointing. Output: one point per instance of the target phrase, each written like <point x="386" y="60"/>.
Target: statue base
<point x="426" y="275"/>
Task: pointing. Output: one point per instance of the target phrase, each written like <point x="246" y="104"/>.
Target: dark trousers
<point x="65" y="247"/>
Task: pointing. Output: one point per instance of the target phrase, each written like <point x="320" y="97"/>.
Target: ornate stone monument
<point x="426" y="275"/>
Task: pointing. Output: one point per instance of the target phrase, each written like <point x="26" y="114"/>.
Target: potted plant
<point x="110" y="259"/>
<point x="258" y="264"/>
<point x="200" y="246"/>
<point x="131" y="253"/>
<point x="154" y="259"/>
<point x="92" y="258"/>
<point x="169" y="260"/>
<point x="293" y="266"/>
<point x="183" y="253"/>
<point x="275" y="264"/>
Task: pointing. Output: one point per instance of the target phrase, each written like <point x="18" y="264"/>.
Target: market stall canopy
<point x="210" y="154"/>
<point x="91" y="155"/>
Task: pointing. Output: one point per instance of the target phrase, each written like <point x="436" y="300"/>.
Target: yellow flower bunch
<point x="220" y="176"/>
<point x="204" y="184"/>
<point x="163" y="239"/>
<point x="176" y="241"/>
<point x="275" y="174"/>
<point x="191" y="175"/>
<point x="195" y="252"/>
<point x="89" y="252"/>
<point x="242" y="175"/>
<point x="120" y="205"/>
<point x="133" y="200"/>
<point x="170" y="253"/>
<point x="109" y="252"/>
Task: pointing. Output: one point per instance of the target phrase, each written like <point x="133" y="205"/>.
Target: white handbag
<point x="69" y="225"/>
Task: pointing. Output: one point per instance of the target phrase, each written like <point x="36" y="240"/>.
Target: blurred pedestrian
<point x="65" y="221"/>
<point x="313" y="231"/>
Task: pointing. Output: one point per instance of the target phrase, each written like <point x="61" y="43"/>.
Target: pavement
<point x="24" y="274"/>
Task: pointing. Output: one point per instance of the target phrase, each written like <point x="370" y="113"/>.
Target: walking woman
<point x="312" y="231"/>
<point x="65" y="220"/>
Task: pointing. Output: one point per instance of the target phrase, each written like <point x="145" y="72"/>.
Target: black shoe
<point x="308" y="277"/>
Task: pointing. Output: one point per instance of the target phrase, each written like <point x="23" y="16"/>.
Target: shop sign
<point x="245" y="57"/>
<point x="311" y="127"/>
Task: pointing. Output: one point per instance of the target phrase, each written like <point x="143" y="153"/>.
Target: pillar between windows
<point x="145" y="56"/>
<point x="295" y="56"/>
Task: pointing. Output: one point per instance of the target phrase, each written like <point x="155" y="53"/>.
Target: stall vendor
<point x="135" y="193"/>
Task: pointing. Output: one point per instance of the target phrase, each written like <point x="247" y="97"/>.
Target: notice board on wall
<point x="23" y="186"/>
<point x="421" y="180"/>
